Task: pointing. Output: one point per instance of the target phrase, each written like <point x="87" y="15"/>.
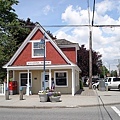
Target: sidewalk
<point x="84" y="98"/>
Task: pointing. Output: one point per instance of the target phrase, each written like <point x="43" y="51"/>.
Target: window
<point x="61" y="78"/>
<point x="109" y="80"/>
<point x="38" y="49"/>
<point x="116" y="79"/>
<point x="23" y="79"/>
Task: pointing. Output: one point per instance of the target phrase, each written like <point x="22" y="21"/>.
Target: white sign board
<point x="38" y="63"/>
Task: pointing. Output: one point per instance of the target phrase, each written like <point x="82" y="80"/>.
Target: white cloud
<point x="46" y="9"/>
<point x="73" y="16"/>
<point x="106" y="41"/>
<point x="104" y="6"/>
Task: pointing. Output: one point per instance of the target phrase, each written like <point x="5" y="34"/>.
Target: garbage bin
<point x="21" y="93"/>
<point x="102" y="85"/>
<point x="106" y="86"/>
<point x="6" y="93"/>
<point x="12" y="87"/>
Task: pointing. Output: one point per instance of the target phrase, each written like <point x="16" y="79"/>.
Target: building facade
<point x="34" y="65"/>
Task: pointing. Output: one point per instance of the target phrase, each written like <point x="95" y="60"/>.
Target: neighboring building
<point x="60" y="64"/>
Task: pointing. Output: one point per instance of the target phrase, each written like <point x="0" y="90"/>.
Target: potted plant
<point x="54" y="96"/>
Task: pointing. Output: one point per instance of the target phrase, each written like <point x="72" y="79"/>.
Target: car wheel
<point x="108" y="89"/>
<point x="94" y="87"/>
<point x="98" y="87"/>
<point x="119" y="87"/>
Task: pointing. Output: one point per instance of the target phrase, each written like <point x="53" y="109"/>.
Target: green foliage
<point x="103" y="71"/>
<point x="114" y="73"/>
<point x="83" y="61"/>
<point x="13" y="31"/>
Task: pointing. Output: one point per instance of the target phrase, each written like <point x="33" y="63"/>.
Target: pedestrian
<point x="53" y="84"/>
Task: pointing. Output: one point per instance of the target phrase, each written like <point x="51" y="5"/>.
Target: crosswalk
<point x="116" y="110"/>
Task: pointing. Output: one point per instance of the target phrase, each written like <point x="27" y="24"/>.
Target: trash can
<point x="102" y="85"/>
<point x="106" y="86"/>
<point x="21" y="93"/>
<point x="12" y="87"/>
<point x="6" y="93"/>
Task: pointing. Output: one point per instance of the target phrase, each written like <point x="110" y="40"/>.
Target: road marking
<point x="116" y="110"/>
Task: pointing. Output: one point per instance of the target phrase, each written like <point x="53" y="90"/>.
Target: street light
<point x="42" y="42"/>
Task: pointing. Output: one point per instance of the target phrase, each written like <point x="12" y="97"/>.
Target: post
<point x="44" y="62"/>
<point x="42" y="42"/>
<point x="21" y="93"/>
<point x="90" y="59"/>
<point x="7" y="93"/>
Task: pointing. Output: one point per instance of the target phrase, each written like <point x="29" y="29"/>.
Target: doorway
<point x="46" y="80"/>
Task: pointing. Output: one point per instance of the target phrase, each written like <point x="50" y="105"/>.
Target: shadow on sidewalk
<point x="85" y="92"/>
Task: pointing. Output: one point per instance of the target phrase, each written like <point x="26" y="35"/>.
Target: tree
<point x="7" y="42"/>
<point x="103" y="71"/>
<point x="83" y="61"/>
<point x="13" y="31"/>
<point x="114" y="73"/>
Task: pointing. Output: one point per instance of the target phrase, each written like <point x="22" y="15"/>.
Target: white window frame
<point x="20" y="78"/>
<point x="33" y="56"/>
<point x="66" y="78"/>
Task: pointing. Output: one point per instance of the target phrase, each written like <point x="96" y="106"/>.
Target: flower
<point x="54" y="94"/>
<point x="43" y="92"/>
<point x="50" y="92"/>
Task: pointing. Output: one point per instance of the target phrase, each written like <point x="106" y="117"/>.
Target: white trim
<point x="50" y="78"/>
<point x="7" y="78"/>
<point x="73" y="82"/>
<point x="20" y="78"/>
<point x="21" y="47"/>
<point x="27" y="41"/>
<point x="66" y="77"/>
<point x="32" y="51"/>
<point x="41" y="67"/>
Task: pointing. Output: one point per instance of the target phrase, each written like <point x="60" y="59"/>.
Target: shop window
<point x="61" y="78"/>
<point x="23" y="79"/>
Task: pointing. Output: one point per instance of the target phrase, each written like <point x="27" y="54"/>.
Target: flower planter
<point x="55" y="98"/>
<point x="43" y="97"/>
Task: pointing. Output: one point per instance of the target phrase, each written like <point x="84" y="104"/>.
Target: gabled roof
<point x="37" y="27"/>
<point x="65" y="43"/>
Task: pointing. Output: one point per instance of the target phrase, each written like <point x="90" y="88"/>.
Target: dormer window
<point x="37" y="49"/>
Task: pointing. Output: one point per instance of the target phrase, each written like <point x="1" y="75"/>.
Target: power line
<point x="72" y="25"/>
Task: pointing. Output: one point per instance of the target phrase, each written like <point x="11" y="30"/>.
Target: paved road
<point x="84" y="99"/>
<point x="83" y="113"/>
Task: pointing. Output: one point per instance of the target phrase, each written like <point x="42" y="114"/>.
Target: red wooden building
<point x="28" y="69"/>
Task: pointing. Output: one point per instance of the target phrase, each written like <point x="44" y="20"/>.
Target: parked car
<point x="113" y="82"/>
<point x="95" y="85"/>
<point x="94" y="80"/>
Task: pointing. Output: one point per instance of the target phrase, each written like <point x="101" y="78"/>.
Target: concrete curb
<point x="50" y="107"/>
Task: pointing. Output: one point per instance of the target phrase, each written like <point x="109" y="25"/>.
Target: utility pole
<point x="90" y="59"/>
<point x="90" y="44"/>
<point x="118" y="67"/>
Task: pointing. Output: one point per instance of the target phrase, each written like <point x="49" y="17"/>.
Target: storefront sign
<point x="38" y="62"/>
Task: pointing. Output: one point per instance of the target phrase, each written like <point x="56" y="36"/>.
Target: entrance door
<point x="46" y="80"/>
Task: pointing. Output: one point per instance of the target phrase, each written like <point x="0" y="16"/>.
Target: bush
<point x="81" y="84"/>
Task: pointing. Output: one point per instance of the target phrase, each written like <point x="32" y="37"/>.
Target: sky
<point x="105" y="40"/>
